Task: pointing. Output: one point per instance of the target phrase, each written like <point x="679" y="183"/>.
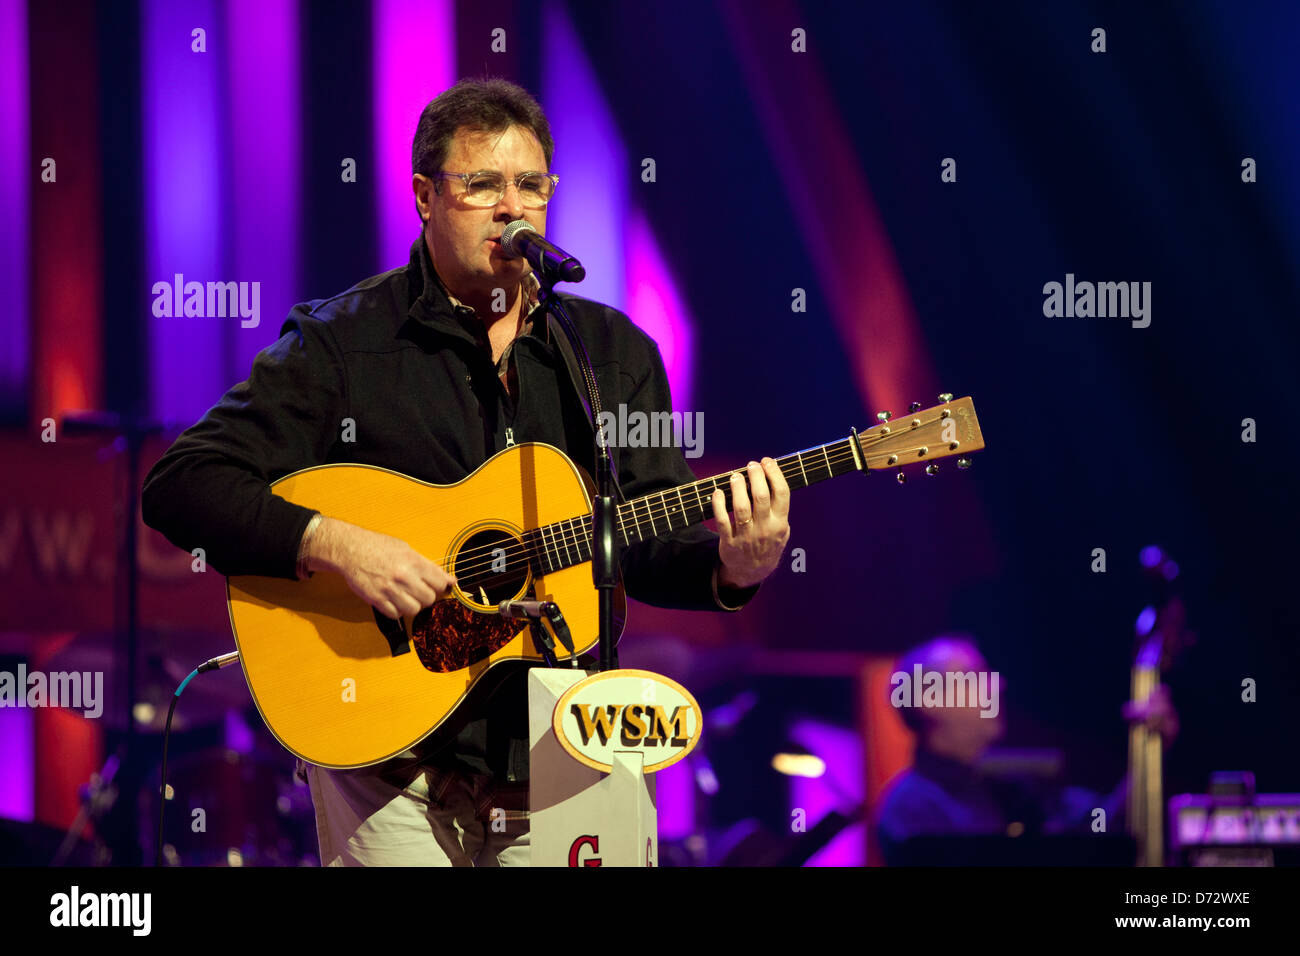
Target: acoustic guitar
<point x="341" y="686"/>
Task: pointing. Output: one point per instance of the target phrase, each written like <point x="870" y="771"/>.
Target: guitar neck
<point x="568" y="542"/>
<point x="937" y="432"/>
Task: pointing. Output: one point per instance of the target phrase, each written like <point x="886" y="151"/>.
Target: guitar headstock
<point x="923" y="435"/>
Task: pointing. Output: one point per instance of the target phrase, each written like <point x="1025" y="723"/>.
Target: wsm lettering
<point x="637" y="724"/>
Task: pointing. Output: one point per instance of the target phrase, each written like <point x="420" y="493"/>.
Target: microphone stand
<point x="605" y="568"/>
<point x="121" y="818"/>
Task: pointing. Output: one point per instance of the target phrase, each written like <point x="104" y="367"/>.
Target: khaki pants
<point x="427" y="817"/>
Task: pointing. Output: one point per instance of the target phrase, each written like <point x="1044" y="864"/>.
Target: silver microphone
<point x="552" y="263"/>
<point x="521" y="609"/>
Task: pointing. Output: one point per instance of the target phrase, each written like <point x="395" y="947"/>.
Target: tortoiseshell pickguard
<point x="450" y="636"/>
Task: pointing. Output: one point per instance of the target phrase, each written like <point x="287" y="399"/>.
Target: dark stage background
<point x="775" y="170"/>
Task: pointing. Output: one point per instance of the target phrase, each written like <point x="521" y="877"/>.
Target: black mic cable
<point x="225" y="660"/>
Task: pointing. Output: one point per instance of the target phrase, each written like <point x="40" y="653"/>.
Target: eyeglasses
<point x="487" y="188"/>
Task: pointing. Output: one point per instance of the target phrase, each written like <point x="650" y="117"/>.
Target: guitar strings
<point x="561" y="536"/>
<point x="581" y="533"/>
<point x="563" y="541"/>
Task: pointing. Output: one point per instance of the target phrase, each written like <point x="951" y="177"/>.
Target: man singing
<point x="439" y="365"/>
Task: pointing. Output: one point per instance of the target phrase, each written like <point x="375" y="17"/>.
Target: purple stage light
<point x="591" y="204"/>
<point x="18" y="757"/>
<point x="840" y="788"/>
<point x="239" y="736"/>
<point x="675" y="800"/>
<point x="593" y="215"/>
<point x="414" y="60"/>
<point x="184" y="195"/>
<point x="267" y="177"/>
<point x="1155" y="560"/>
<point x="653" y="304"/>
<point x="15" y="180"/>
<point x="1146" y="621"/>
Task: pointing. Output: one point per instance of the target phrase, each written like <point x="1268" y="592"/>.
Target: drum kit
<point x="231" y="798"/>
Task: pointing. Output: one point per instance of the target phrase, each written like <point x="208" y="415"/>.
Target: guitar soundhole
<point x="491" y="566"/>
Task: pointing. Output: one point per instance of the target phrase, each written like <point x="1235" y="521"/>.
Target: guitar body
<point x="343" y="687"/>
<point x="340" y="687"/>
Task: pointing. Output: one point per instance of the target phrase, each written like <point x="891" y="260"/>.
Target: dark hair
<point x="489" y="105"/>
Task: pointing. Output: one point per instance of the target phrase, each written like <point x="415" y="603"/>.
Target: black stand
<point x="535" y="612"/>
<point x="604" y="543"/>
<point x="542" y="641"/>
<point x="131" y="432"/>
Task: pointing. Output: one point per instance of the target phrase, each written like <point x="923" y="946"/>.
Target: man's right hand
<point x="385" y="572"/>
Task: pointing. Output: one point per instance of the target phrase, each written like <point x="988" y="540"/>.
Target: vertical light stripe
<point x="593" y="215"/>
<point x="591" y="203"/>
<point x="808" y="140"/>
<point x="888" y="745"/>
<point x="17" y="176"/>
<point x="675" y="801"/>
<point x="18" y="757"/>
<point x="268" y="177"/>
<point x="654" y="305"/>
<point x="413" y="60"/>
<point x="184" y="197"/>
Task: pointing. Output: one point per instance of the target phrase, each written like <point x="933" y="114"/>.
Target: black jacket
<point x="412" y="377"/>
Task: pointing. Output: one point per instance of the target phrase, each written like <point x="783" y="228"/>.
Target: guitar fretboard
<point x="563" y="544"/>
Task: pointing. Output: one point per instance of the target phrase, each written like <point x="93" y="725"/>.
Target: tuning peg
<point x="932" y="469"/>
<point x="945" y="397"/>
<point x="902" y="478"/>
<point x="884" y="416"/>
<point x="963" y="463"/>
<point x="914" y="407"/>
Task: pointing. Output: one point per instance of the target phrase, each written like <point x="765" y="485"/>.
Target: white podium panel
<point x="580" y="816"/>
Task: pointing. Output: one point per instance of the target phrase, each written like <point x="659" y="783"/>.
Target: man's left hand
<point x="755" y="533"/>
<point x="1157" y="712"/>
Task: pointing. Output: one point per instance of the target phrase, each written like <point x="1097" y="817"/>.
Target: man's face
<point x="461" y="238"/>
<point x="964" y="731"/>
